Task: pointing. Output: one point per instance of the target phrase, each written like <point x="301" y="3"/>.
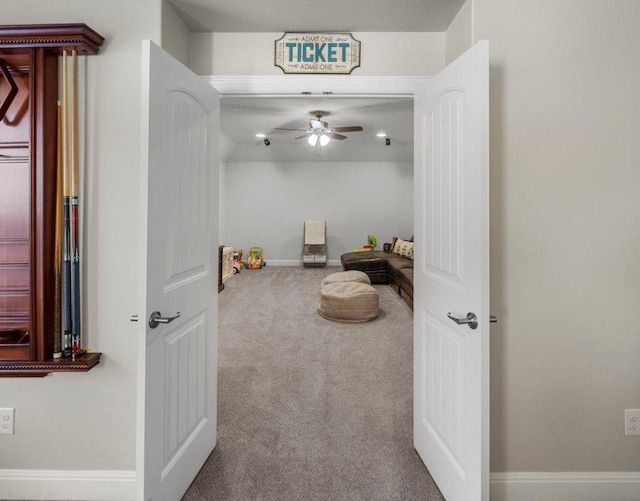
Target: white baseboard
<point x="109" y="485"/>
<point x="100" y="485"/>
<point x="298" y="262"/>
<point x="563" y="486"/>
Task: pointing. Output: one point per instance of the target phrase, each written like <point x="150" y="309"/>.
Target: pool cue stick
<point x="66" y="261"/>
<point x="75" y="188"/>
<point x="57" y="258"/>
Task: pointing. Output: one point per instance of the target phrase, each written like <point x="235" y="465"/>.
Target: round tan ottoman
<point x="349" y="302"/>
<point x="347" y="276"/>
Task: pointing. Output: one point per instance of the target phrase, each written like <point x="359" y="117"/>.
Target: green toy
<point x="256" y="258"/>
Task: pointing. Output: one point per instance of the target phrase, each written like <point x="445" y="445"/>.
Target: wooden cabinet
<point x="15" y="208"/>
<point x="28" y="160"/>
<point x="227" y="263"/>
<point x="27" y="200"/>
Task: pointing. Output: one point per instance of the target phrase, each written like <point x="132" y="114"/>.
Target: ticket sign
<point x="334" y="53"/>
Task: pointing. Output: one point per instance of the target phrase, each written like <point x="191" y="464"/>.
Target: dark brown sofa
<point x="383" y="268"/>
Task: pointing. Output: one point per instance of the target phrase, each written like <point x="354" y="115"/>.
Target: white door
<point x="451" y="361"/>
<point x="176" y="429"/>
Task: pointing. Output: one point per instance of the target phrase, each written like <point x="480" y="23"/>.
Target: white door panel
<point x="178" y="360"/>
<point x="451" y="361"/>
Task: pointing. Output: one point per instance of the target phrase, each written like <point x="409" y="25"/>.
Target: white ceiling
<point x="323" y="16"/>
<point x="245" y="116"/>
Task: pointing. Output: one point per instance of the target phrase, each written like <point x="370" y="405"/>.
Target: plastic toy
<point x="256" y="258"/>
<point x="238" y="263"/>
<point x="372" y="243"/>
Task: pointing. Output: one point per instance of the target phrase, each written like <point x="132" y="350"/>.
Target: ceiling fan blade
<point x="355" y="128"/>
<point x="300" y="137"/>
<point x="282" y="128"/>
<point x="333" y="135"/>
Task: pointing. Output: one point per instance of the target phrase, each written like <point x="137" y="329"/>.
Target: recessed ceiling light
<point x="381" y="134"/>
<point x="261" y="135"/>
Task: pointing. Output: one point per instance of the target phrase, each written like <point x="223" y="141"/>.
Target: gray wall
<point x="388" y="53"/>
<point x="87" y="421"/>
<point x="175" y="37"/>
<point x="459" y="34"/>
<point x="267" y="203"/>
<point x="565" y="232"/>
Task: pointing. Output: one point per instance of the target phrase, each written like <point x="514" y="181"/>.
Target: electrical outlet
<point x="6" y="420"/>
<point x="632" y="421"/>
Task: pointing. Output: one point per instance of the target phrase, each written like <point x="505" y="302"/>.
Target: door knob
<point x="471" y="320"/>
<point x="156" y="319"/>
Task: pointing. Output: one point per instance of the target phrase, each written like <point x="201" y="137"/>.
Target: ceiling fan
<point x="319" y="133"/>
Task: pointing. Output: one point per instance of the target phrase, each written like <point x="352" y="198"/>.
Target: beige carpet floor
<point x="310" y="409"/>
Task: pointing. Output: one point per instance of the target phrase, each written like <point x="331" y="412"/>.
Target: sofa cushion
<point x="395" y="265"/>
<point x="397" y="262"/>
<point x="405" y="277"/>
<point x="372" y="257"/>
<point x="373" y="263"/>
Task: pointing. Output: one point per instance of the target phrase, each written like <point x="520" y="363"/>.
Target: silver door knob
<point x="156" y="319"/>
<point x="471" y="320"/>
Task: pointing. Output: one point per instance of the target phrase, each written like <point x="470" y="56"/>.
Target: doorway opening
<point x="257" y="178"/>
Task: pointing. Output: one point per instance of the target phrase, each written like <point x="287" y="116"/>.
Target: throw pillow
<point x="403" y="248"/>
<point x="393" y="244"/>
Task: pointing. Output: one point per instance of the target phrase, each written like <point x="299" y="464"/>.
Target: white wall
<point x="459" y="34"/>
<point x="253" y="53"/>
<point x="565" y="233"/>
<point x="175" y="35"/>
<point x="267" y="204"/>
<point x="226" y="147"/>
<point x="86" y="422"/>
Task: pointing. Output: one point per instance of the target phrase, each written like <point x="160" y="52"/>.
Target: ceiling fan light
<point x="324" y="140"/>
<point x="312" y="139"/>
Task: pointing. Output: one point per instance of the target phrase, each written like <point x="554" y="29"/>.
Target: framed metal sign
<point x="329" y="53"/>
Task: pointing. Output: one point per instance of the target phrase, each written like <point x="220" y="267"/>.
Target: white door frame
<point x="296" y="84"/>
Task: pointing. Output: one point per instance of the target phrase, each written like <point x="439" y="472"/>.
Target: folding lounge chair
<point x="314" y="250"/>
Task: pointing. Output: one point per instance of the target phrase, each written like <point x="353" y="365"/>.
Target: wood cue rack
<point x="28" y="160"/>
